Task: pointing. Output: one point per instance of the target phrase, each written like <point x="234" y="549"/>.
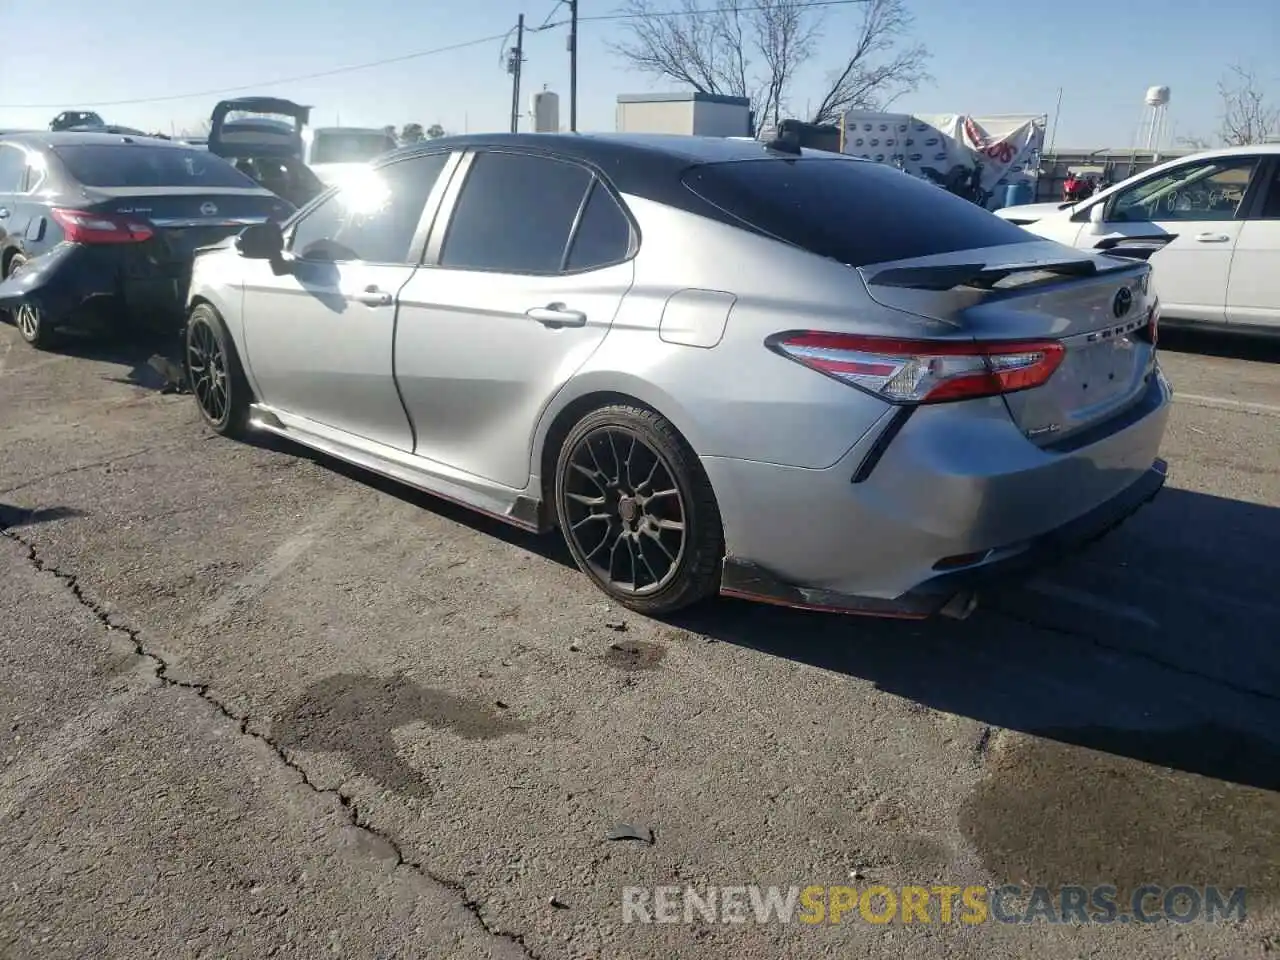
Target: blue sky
<point x="997" y="56"/>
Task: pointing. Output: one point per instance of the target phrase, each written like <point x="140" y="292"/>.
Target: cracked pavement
<point x="258" y="703"/>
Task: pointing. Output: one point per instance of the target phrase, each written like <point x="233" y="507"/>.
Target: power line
<point x="269" y="83"/>
<point x="420" y="54"/>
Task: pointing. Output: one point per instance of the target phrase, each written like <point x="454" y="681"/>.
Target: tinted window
<point x="374" y="217"/>
<point x="1271" y="206"/>
<point x="140" y="165"/>
<point x="603" y="235"/>
<point x="13" y="169"/>
<point x="853" y="211"/>
<point x="515" y="214"/>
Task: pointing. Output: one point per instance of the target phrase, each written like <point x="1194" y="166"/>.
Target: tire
<point x="217" y="380"/>
<point x="33" y="326"/>
<point x="638" y="558"/>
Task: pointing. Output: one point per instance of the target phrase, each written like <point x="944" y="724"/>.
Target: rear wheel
<point x="217" y="380"/>
<point x="637" y="510"/>
<point x="33" y="326"/>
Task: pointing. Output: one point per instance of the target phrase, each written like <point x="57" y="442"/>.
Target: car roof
<point x="595" y="147"/>
<point x="58" y="138"/>
<point x="647" y="165"/>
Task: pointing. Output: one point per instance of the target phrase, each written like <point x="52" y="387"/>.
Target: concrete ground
<point x="255" y="703"/>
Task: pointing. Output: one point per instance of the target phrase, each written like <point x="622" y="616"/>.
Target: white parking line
<point x="1092" y="601"/>
<point x="1225" y="403"/>
<point x="281" y="559"/>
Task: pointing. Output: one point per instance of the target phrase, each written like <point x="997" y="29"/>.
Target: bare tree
<point x="755" y="49"/>
<point x="1247" y="117"/>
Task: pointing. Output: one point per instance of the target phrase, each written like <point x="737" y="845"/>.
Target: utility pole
<point x="573" y="66"/>
<point x="514" y="60"/>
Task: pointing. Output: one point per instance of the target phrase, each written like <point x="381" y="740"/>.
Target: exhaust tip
<point x="960" y="606"/>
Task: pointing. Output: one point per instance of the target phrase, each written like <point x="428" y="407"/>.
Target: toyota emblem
<point x="1123" y="302"/>
<point x="211" y="209"/>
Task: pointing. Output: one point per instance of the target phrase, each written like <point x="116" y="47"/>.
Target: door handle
<point x="556" y="315"/>
<point x="374" y="297"/>
<point x="1212" y="238"/>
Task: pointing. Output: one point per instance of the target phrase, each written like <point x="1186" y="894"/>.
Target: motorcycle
<point x="965" y="182"/>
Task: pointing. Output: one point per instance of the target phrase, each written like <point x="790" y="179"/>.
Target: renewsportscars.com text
<point x="970" y="905"/>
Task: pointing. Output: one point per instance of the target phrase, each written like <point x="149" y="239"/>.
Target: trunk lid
<point x="185" y="219"/>
<point x="258" y="127"/>
<point x="1098" y="307"/>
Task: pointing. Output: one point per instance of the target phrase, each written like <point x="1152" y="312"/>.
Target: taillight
<point x="923" y="371"/>
<point x="1153" y="324"/>
<point x="85" y="226"/>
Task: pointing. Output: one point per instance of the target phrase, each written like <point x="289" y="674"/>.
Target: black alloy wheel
<point x="213" y="371"/>
<point x="637" y="511"/>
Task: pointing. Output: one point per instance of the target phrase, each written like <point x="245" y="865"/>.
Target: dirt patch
<point x="355" y="715"/>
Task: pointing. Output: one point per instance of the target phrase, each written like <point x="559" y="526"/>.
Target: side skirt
<point x="492" y="500"/>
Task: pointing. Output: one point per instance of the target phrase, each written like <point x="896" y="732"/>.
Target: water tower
<point x="1156" y="116"/>
<point x="545" y="109"/>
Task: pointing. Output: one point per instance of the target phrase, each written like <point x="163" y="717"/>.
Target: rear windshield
<point x="139" y="165"/>
<point x="349" y="147"/>
<point x="856" y="212"/>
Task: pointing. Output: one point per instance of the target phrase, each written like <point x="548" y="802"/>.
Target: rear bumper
<point x="955" y="498"/>
<point x="750" y="581"/>
<point x="89" y="286"/>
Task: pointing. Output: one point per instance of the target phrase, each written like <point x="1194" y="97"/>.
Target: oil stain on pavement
<point x="355" y="715"/>
<point x="1052" y="814"/>
<point x="634" y="655"/>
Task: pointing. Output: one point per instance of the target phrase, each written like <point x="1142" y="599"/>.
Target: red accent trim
<point x="820" y="608"/>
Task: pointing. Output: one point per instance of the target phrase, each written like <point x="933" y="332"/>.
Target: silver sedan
<point x="716" y="366"/>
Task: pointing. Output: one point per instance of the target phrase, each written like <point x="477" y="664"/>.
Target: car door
<point x="1253" y="290"/>
<point x="319" y="335"/>
<point x="1197" y="204"/>
<point x="13" y="175"/>
<point x="518" y="290"/>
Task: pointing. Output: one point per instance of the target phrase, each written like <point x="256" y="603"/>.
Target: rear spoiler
<point x="982" y="275"/>
<point x="1135" y="247"/>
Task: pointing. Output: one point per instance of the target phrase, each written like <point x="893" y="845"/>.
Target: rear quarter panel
<point x="738" y="398"/>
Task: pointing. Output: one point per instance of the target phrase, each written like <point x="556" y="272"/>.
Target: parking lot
<point x="256" y="703"/>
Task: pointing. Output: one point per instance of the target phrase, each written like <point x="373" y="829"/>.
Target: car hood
<point x="257" y="136"/>
<point x="1030" y="212"/>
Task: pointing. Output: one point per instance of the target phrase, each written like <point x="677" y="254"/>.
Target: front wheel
<point x="217" y="380"/>
<point x="637" y="511"/>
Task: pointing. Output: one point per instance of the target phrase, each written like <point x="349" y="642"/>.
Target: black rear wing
<point x="985" y="276"/>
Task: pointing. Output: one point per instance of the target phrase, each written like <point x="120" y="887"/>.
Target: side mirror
<point x="1098" y="213"/>
<point x="261" y="241"/>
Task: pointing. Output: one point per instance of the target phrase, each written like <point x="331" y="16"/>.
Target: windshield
<point x="856" y="212"/>
<point x="139" y="165"/>
<point x="343" y="147"/>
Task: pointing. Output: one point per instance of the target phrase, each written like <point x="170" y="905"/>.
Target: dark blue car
<point x="99" y="229"/>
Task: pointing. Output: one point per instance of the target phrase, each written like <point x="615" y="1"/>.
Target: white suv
<point x="1209" y="223"/>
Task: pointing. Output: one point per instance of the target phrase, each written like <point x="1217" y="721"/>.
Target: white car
<point x="336" y="154"/>
<point x="1209" y="223"/>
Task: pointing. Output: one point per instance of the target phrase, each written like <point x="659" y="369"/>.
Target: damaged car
<point x="264" y="138"/>
<point x="99" y="230"/>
